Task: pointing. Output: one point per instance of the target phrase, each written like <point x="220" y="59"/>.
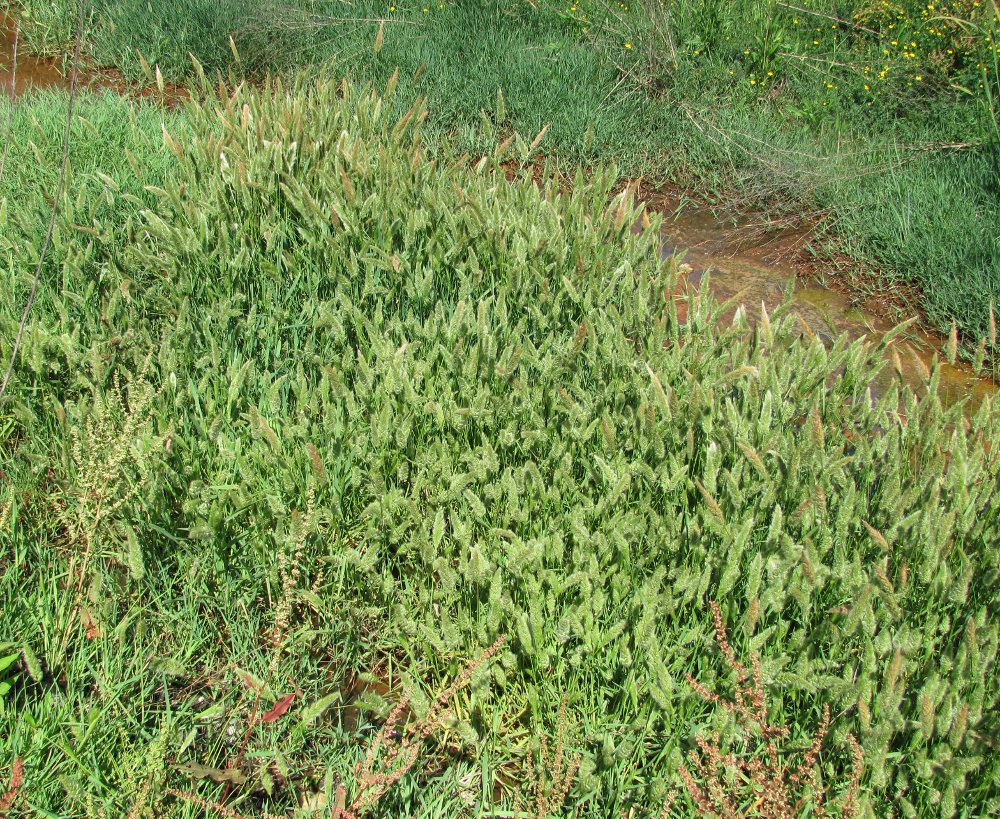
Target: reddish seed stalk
<point x="782" y="792"/>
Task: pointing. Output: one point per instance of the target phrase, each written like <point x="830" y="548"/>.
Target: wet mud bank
<point x="19" y="71"/>
<point x="750" y="265"/>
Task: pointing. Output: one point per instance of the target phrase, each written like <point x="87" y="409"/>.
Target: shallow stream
<point x="753" y="265"/>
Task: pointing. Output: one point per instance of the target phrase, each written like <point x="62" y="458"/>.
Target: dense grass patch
<point x="881" y="117"/>
<point x="119" y="33"/>
<point x="327" y="405"/>
<point x="458" y="55"/>
<point x="110" y="137"/>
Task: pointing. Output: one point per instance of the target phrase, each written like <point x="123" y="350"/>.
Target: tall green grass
<point x="458" y="55"/>
<point x="879" y="117"/>
<point x="119" y="33"/>
<point x="812" y="108"/>
<point x="330" y="403"/>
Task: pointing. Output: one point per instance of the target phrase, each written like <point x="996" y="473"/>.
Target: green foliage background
<point x="293" y="367"/>
<point x="875" y="120"/>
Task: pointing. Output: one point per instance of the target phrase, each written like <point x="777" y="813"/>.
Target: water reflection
<point x="29" y="71"/>
<point x="746" y="262"/>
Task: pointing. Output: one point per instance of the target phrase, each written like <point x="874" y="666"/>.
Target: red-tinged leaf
<point x="280" y="708"/>
<point x="250" y="681"/>
<point x="92" y="627"/>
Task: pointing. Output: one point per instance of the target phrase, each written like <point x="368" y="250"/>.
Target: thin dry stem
<point x="60" y="187"/>
<point x="215" y="807"/>
<point x="717" y="783"/>
<point x="549" y="800"/>
<point x="402" y="744"/>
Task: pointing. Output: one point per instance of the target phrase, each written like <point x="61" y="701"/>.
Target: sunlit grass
<point x="381" y="407"/>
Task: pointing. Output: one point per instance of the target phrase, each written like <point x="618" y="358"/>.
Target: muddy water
<point x="751" y="264"/>
<point x="30" y="72"/>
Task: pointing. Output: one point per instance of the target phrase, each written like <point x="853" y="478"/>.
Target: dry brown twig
<point x="561" y="773"/>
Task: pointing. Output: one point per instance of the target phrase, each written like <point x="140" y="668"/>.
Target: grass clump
<point x="875" y="121"/>
<point x="399" y="408"/>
